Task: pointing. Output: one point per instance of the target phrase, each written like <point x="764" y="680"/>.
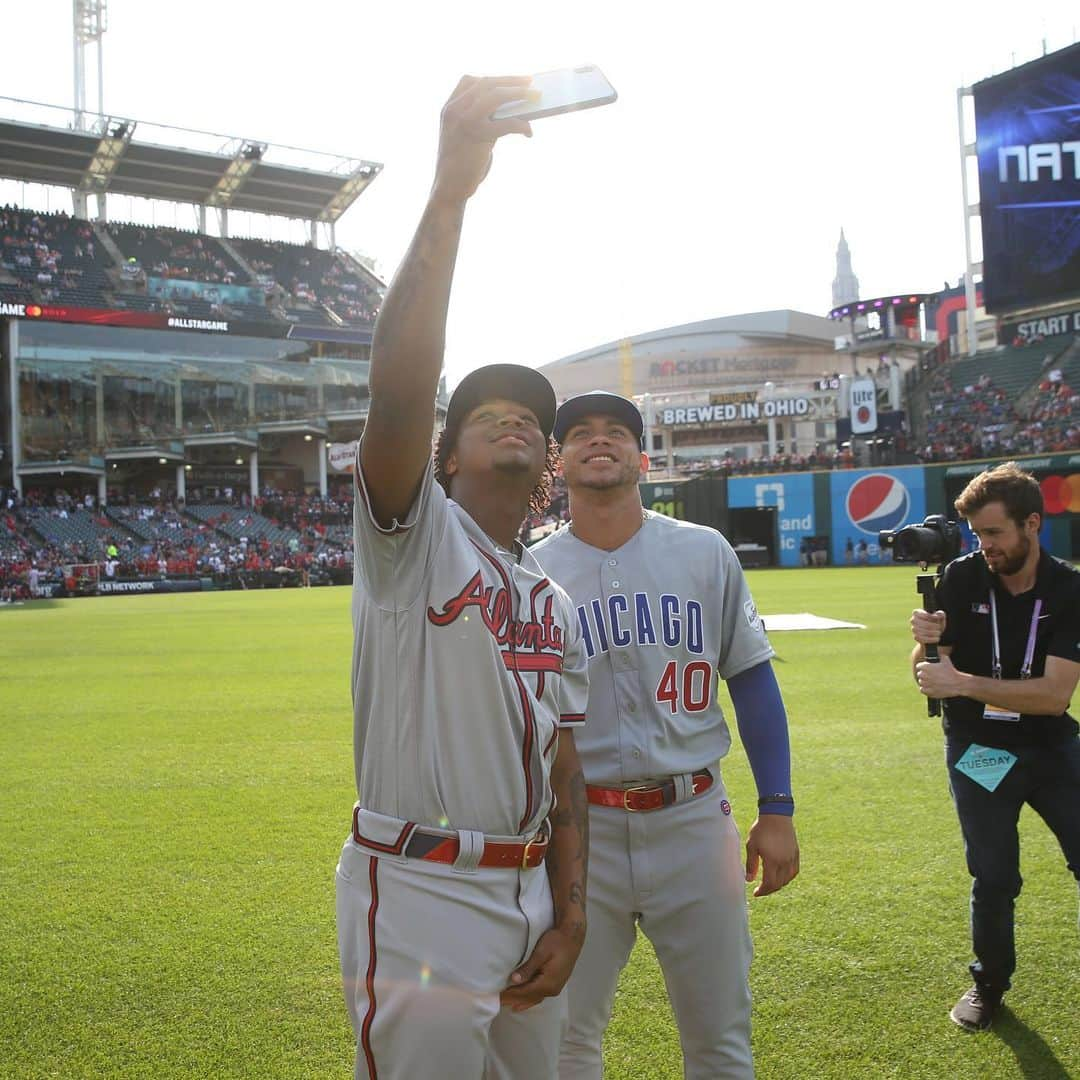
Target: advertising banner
<point x="211" y="292"/>
<point x="863" y="406"/>
<point x="867" y="501"/>
<point x="147" y="320"/>
<point x="159" y="320"/>
<point x="1028" y="144"/>
<point x="1042" y="326"/>
<point x="733" y="412"/>
<point x="129" y="588"/>
<point x="793" y="496"/>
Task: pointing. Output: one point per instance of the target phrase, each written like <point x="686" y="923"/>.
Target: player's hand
<point x="467" y="133"/>
<point x="772" y="843"/>
<point x="940" y="680"/>
<point x="545" y="973"/>
<point x="927" y="626"/>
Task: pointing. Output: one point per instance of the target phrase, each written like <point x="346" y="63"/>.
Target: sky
<point x="744" y="138"/>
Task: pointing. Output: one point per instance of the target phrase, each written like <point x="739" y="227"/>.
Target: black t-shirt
<point x="964" y="595"/>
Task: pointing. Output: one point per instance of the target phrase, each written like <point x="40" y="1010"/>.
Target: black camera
<point x="936" y="540"/>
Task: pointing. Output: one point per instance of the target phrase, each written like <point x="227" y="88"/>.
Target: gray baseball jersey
<point x="465" y="663"/>
<point x="660" y="618"/>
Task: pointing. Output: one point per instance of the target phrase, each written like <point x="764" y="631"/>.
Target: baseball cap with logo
<point x="511" y="382"/>
<point x="597" y="403"/>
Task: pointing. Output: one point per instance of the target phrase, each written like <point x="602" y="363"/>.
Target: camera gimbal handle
<point x="926" y="589"/>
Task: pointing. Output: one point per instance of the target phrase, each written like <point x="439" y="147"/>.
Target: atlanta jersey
<point x="466" y="662"/>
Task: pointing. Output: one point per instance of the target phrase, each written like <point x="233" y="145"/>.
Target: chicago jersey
<point x="660" y="618"/>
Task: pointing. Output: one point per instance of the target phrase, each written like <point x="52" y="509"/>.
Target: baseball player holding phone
<point x="461" y="889"/>
<point x="665" y="611"/>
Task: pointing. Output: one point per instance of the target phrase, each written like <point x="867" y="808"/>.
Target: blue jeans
<point x="1047" y="778"/>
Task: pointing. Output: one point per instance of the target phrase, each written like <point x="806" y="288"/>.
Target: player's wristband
<point x="775" y="800"/>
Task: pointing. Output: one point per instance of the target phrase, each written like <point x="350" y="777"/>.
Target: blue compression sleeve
<point x="763" y="729"/>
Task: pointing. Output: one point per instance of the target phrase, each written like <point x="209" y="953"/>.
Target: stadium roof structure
<point x="768" y="325"/>
<point x="96" y="155"/>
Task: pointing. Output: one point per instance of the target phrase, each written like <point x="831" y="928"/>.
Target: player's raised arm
<point x="410" y="333"/>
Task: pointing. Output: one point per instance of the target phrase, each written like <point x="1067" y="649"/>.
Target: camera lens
<point x="917" y="544"/>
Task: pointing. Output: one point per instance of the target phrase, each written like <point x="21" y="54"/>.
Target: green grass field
<point x="177" y="780"/>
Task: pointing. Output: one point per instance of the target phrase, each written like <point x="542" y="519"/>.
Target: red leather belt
<point x="435" y="847"/>
<point x="645" y="797"/>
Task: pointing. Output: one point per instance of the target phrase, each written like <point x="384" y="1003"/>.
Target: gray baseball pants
<point x="425" y="950"/>
<point x="676" y="873"/>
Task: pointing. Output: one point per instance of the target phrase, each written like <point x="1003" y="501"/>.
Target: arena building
<point x="744" y="387"/>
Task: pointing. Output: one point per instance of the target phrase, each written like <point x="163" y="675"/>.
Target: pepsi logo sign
<point x="878" y="501"/>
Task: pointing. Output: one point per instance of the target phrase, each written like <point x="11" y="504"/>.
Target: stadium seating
<point x="240" y="523"/>
<point x="992" y="404"/>
<point x="313" y="277"/>
<point x="161" y="525"/>
<point x="173" y="253"/>
<point x="11" y="293"/>
<point x="76" y="527"/>
<point x="57" y="256"/>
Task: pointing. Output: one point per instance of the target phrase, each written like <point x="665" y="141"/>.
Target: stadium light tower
<point x="90" y="21"/>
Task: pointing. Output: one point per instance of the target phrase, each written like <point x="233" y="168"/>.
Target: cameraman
<point x="1009" y="636"/>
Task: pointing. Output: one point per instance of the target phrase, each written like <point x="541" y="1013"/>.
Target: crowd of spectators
<point x="1054" y="420"/>
<point x="52" y="254"/>
<point x="537" y="526"/>
<point x="313" y="277"/>
<point x="729" y="465"/>
<point x="55" y="257"/>
<point x="971" y="421"/>
<point x="978" y="420"/>
<point x="155" y="538"/>
<point x="170" y="253"/>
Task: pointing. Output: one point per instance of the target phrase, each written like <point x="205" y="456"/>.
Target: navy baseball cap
<point x="511" y="382"/>
<point x="597" y="403"/>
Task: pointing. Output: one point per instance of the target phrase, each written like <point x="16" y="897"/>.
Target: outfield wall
<point x="856" y="504"/>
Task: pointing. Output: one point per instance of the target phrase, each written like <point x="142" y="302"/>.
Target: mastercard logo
<point x="1061" y="494"/>
<point x="33" y="311"/>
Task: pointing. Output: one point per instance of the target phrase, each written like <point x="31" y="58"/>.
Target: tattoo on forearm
<point x="569" y="821"/>
<point x="575" y="930"/>
<point x="552" y="862"/>
<point x="580" y="810"/>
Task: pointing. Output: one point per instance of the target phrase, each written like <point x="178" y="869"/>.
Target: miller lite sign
<point x="863" y="406"/>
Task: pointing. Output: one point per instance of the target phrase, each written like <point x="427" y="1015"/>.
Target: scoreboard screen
<point x="1028" y="142"/>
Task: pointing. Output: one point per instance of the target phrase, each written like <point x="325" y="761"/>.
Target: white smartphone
<point x="566" y="90"/>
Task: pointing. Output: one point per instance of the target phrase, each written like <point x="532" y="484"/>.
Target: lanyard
<point x="995" y="648"/>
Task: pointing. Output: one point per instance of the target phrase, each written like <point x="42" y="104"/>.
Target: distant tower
<point x="845" y="286"/>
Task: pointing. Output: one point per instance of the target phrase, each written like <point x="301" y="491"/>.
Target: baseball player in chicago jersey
<point x="665" y="611"/>
<point x="461" y="889"/>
